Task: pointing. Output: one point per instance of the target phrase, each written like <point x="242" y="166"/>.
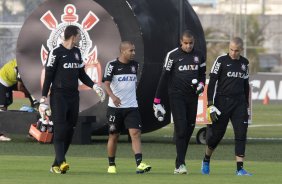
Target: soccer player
<point x="228" y="94"/>
<point x="120" y="79"/>
<point x="184" y="71"/>
<point x="9" y="81"/>
<point x="63" y="69"/>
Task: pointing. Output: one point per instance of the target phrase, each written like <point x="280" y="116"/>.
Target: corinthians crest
<point x="70" y="17"/>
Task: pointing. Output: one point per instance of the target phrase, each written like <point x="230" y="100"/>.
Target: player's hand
<point x="116" y="101"/>
<point x="212" y="113"/>
<point x="200" y="88"/>
<point x="159" y="111"/>
<point x="100" y="92"/>
<point x="44" y="110"/>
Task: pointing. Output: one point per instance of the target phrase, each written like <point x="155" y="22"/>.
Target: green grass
<point x="25" y="161"/>
<point x="29" y="170"/>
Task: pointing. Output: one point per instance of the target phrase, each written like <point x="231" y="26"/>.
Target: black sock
<point x="112" y="161"/>
<point x="138" y="158"/>
<point x="239" y="166"/>
<point x="207" y="158"/>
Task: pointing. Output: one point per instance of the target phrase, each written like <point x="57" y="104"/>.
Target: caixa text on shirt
<point x="188" y="67"/>
<point x="72" y="65"/>
<point x="127" y="78"/>
<point x="237" y="75"/>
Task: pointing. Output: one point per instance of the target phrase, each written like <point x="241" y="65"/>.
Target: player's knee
<point x="134" y="133"/>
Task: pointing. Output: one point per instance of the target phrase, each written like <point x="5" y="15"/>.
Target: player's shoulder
<point x="134" y="62"/>
<point x="222" y="57"/>
<point x="174" y="52"/>
<point x="57" y="50"/>
<point x="112" y="63"/>
<point x="244" y="60"/>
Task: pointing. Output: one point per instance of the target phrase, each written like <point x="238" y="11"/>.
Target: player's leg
<point x="132" y="122"/>
<point x="216" y="131"/>
<point x="58" y="105"/>
<point x="179" y="113"/>
<point x="114" y="122"/>
<point x="4" y="93"/>
<point x="239" y="121"/>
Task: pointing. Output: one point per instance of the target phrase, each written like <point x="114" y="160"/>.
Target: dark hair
<point x="187" y="33"/>
<point x="71" y="30"/>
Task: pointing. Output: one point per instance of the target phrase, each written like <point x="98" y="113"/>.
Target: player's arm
<point x="159" y="110"/>
<point x="107" y="79"/>
<point x="212" y="111"/>
<point x="85" y="79"/>
<point x="247" y="86"/>
<point x="202" y="76"/>
<point x="163" y="79"/>
<point x="50" y="70"/>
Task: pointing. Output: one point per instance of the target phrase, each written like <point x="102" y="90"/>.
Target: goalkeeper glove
<point x="212" y="113"/>
<point x="159" y="111"/>
<point x="200" y="88"/>
<point x="44" y="110"/>
<point x="100" y="92"/>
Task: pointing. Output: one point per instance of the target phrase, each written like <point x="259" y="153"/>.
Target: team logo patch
<point x="196" y="59"/>
<point x="76" y="56"/>
<point x="133" y="69"/>
<point x="243" y="67"/>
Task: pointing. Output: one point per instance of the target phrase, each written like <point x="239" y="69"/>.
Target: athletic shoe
<point x="142" y="168"/>
<point x="4" y="138"/>
<point x="243" y="172"/>
<point x="112" y="169"/>
<point x="64" y="167"/>
<point x="55" y="169"/>
<point x="205" y="167"/>
<point x="181" y="169"/>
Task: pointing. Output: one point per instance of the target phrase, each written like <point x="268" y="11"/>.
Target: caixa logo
<point x="70" y="17"/>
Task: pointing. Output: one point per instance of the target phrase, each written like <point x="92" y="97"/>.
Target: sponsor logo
<point x="180" y="59"/>
<point x="109" y="70"/>
<point x="188" y="67"/>
<point x="65" y="56"/>
<point x="236" y="75"/>
<point x="72" y="65"/>
<point x="169" y="64"/>
<point x="119" y="69"/>
<point x="228" y="64"/>
<point x="216" y="68"/>
<point x="127" y="78"/>
<point x="51" y="60"/>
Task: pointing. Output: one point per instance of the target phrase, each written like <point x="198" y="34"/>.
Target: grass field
<point x="24" y="161"/>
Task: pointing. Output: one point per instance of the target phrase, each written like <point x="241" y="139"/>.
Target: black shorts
<point x="120" y="119"/>
<point x="6" y="95"/>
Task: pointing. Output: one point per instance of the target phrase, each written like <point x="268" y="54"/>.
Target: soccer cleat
<point x="4" y="138"/>
<point x="112" y="169"/>
<point x="181" y="169"/>
<point x="64" y="167"/>
<point x="205" y="168"/>
<point x="142" y="168"/>
<point x="55" y="169"/>
<point x="243" y="172"/>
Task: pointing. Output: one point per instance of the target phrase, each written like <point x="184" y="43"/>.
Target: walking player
<point x="185" y="71"/>
<point x="228" y="94"/>
<point x="120" y="79"/>
<point x="63" y="69"/>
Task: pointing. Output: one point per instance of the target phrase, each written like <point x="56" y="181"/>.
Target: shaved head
<point x="125" y="45"/>
<point x="237" y="41"/>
